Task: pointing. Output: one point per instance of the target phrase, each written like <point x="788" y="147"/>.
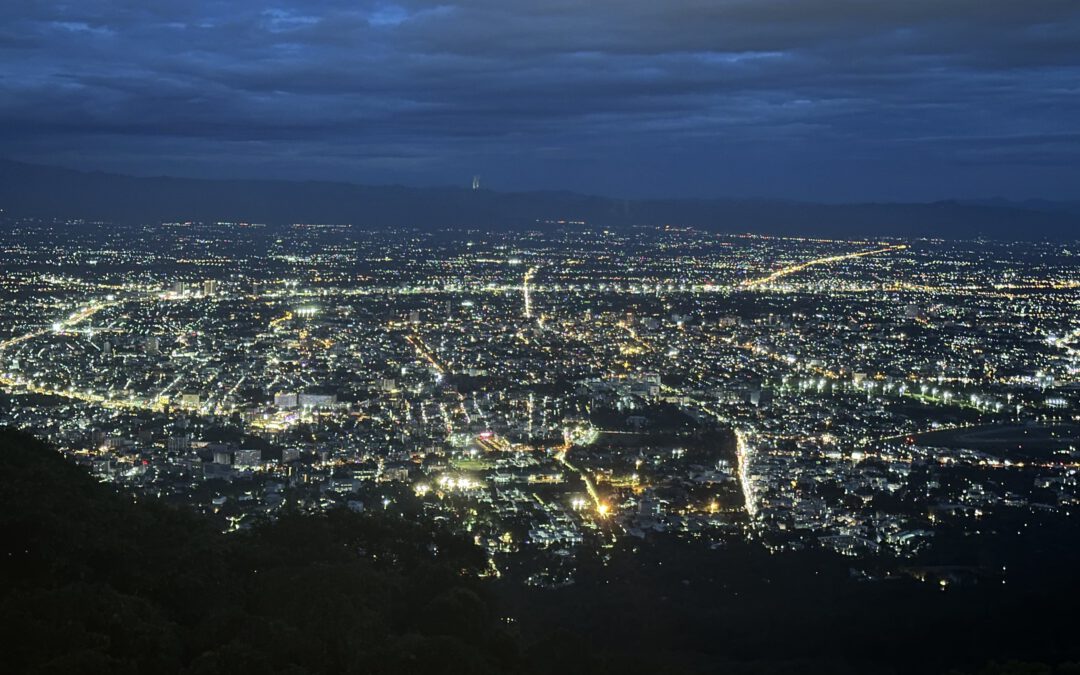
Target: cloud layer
<point x="808" y="99"/>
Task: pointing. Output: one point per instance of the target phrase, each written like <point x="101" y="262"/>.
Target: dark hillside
<point x="94" y="582"/>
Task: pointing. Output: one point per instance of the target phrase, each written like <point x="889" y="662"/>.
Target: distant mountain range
<point x="44" y="191"/>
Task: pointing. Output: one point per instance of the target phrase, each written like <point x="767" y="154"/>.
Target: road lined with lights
<point x="602" y="509"/>
<point x="792" y="269"/>
<point x="71" y="393"/>
<point x="743" y="455"/>
<point x="525" y="287"/>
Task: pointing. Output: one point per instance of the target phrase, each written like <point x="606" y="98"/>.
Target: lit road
<point x="86" y="397"/>
<point x="743" y="453"/>
<point x="70" y="322"/>
<point x="424" y="352"/>
<point x="70" y="393"/>
<point x="792" y="269"/>
<point x="590" y="487"/>
<point x="525" y="287"/>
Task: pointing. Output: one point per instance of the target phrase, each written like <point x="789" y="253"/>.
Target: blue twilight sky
<point x="801" y="99"/>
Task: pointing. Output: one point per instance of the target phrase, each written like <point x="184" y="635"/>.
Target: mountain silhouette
<point x="31" y="190"/>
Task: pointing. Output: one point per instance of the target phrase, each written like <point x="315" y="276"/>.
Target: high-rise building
<point x="317" y="400"/>
<point x="286" y="400"/>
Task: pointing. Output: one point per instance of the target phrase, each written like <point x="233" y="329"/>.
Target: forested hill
<point x="29" y="190"/>
<point x="93" y="582"/>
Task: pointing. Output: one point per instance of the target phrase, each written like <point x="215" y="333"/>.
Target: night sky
<point x="802" y="99"/>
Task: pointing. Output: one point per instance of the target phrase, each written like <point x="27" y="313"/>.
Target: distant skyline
<point x="821" y="100"/>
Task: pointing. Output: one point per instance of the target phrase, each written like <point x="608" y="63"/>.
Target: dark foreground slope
<point x="28" y="190"/>
<point x="95" y="583"/>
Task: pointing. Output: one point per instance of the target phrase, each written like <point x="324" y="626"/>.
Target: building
<point x="317" y="400"/>
<point x="286" y="401"/>
<point x="247" y="457"/>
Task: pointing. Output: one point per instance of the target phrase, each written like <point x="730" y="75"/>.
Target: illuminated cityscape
<point x="560" y="390"/>
<point x="533" y="337"/>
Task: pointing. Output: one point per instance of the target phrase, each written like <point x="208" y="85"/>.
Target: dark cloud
<point x="829" y="99"/>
